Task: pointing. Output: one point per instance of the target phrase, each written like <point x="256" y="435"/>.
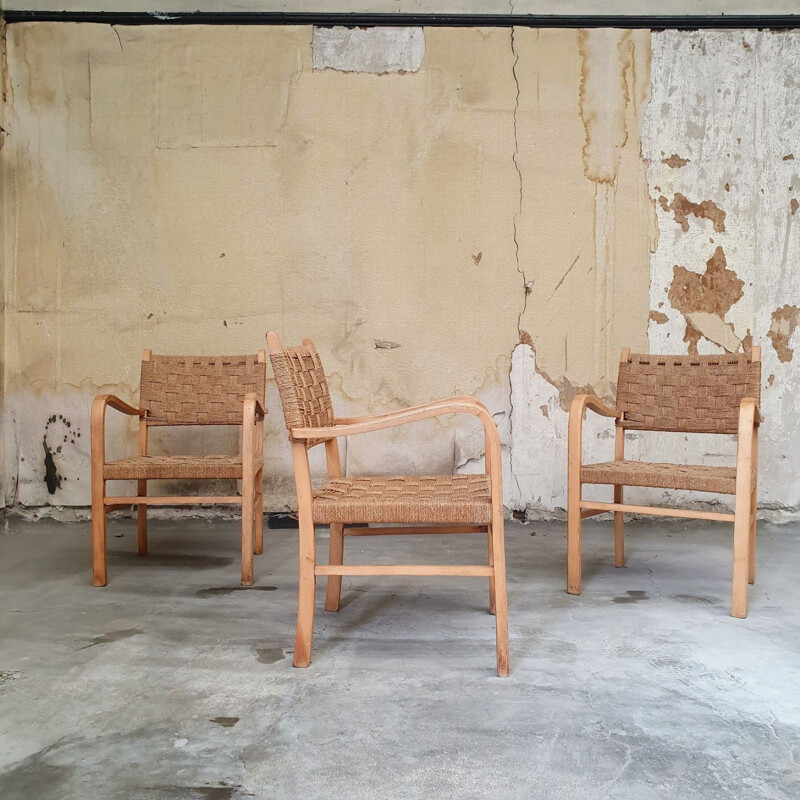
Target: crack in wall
<point x="526" y="289"/>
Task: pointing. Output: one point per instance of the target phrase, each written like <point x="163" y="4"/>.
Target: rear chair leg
<point x="258" y="545"/>
<point x="141" y="520"/>
<point x="335" y="556"/>
<point x="305" y="594"/>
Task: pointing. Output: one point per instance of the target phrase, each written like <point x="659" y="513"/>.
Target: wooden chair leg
<point x="619" y="532"/>
<point x="335" y="556"/>
<point x="743" y="508"/>
<point x="248" y="503"/>
<point x="99" y="571"/>
<point x="741" y="551"/>
<point x="574" y="538"/>
<point x="259" y="488"/>
<point x="492" y="591"/>
<point x="305" y="593"/>
<point x="141" y="520"/>
<point x="751" y="555"/>
<point x="751" y="560"/>
<point x="258" y="544"/>
<point x="501" y="599"/>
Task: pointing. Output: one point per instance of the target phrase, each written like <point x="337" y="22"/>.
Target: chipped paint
<point x="784" y="323"/>
<point x="683" y="208"/>
<point x="380" y="50"/>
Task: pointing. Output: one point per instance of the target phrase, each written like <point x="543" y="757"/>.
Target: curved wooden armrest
<point x="746" y="407"/>
<point x="253" y="408"/>
<point x="583" y="401"/>
<point x="103" y="401"/>
<point x="357" y="420"/>
<point x="350" y="426"/>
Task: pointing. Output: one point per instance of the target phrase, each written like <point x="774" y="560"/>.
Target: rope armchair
<point x="686" y="394"/>
<point x="185" y="390"/>
<point x="375" y="506"/>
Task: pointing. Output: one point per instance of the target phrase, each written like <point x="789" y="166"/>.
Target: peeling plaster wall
<point x="485" y="222"/>
<point x="722" y="137"/>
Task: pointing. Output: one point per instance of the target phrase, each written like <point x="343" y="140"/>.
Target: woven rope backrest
<point x="303" y="389"/>
<point x="200" y="390"/>
<point x="689" y="394"/>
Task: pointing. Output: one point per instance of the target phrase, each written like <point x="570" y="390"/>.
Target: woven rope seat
<point x="662" y="476"/>
<point x="169" y="467"/>
<point x="453" y="499"/>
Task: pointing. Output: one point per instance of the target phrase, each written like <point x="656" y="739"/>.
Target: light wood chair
<point x="687" y="394"/>
<point x="185" y="390"/>
<point x="425" y="504"/>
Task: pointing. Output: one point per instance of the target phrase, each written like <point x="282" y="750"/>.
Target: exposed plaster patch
<point x="682" y="207"/>
<point x="784" y="322"/>
<point x="659" y="317"/>
<point x="382" y="344"/>
<point x="379" y="51"/>
<point x="713" y="292"/>
<point x="793" y="205"/>
<point x="715" y="330"/>
<point x="675" y="161"/>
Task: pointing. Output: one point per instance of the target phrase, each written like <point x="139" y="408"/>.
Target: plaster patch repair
<point x="378" y="50"/>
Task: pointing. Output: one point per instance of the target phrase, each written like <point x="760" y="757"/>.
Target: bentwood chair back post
<point x="181" y="391"/>
<point x="684" y="394"/>
<point x="382" y="506"/>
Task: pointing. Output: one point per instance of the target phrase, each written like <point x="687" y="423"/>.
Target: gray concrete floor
<point x="172" y="682"/>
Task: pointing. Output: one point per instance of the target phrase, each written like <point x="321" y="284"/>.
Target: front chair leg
<point x="99" y="571"/>
<point x="501" y="598"/>
<point x="305" y="593"/>
<point x="619" y="530"/>
<point x="741" y="552"/>
<point x="574" y="539"/>
<point x="335" y="556"/>
<point x="247" y="528"/>
<point x="492" y="590"/>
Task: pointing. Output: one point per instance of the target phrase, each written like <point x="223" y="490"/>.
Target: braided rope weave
<point x="688" y="394"/>
<point x="199" y="390"/>
<point x="721" y="480"/>
<point x="171" y="467"/>
<point x="453" y="499"/>
<point x="303" y="389"/>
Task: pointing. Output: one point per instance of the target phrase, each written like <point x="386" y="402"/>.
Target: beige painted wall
<point x="187" y="188"/>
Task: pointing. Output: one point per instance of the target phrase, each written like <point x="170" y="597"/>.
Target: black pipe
<point x="651" y="22"/>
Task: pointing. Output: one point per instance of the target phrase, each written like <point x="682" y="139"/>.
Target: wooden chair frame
<point x="251" y="499"/>
<point x="335" y="569"/>
<point x="743" y="518"/>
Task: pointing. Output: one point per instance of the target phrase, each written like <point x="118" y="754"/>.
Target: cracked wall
<point x="486" y="211"/>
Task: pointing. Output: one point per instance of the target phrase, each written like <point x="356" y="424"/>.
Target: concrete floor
<point x="172" y="682"/>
